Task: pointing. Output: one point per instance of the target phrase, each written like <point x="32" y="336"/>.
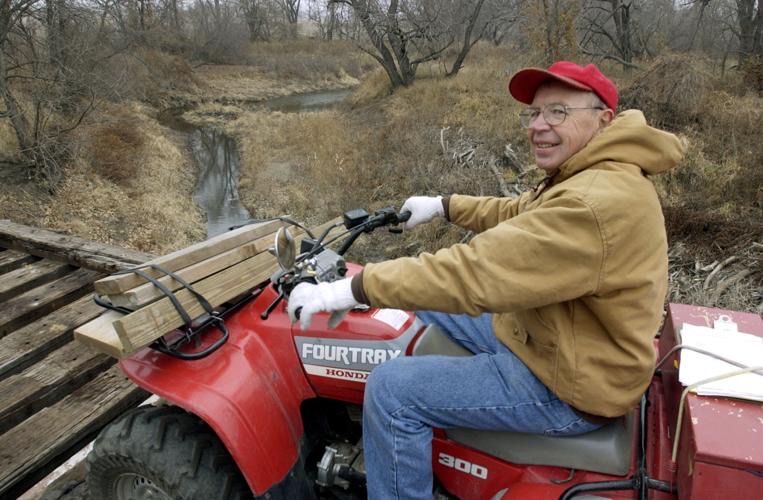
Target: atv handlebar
<point x="381" y="218"/>
<point x="384" y="217"/>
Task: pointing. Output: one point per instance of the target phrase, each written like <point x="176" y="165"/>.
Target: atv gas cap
<point x="285" y="248"/>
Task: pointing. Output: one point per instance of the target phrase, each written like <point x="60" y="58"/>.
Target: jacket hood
<point x="628" y="139"/>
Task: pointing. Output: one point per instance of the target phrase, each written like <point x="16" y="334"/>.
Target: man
<point x="564" y="287"/>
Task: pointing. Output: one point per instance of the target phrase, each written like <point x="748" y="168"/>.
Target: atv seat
<point x="608" y="449"/>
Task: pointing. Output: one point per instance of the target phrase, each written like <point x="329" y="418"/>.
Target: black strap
<point x="169" y="293"/>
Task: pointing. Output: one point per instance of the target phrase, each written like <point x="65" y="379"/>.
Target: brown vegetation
<point x="442" y="135"/>
<point x="143" y="200"/>
<point x="130" y="179"/>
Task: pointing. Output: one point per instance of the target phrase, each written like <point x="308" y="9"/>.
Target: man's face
<point x="553" y="145"/>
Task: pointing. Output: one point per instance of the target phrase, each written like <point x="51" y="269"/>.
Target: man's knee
<point x="387" y="382"/>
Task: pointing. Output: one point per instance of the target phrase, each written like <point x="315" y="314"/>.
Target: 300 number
<point x="462" y="465"/>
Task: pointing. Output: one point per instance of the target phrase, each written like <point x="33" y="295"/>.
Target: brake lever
<point x="266" y="313"/>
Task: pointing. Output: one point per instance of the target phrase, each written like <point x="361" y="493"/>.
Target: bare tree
<point x="550" y="28"/>
<point x="405" y="34"/>
<point x="750" y="18"/>
<point x="256" y="19"/>
<point x="470" y="37"/>
<point x="501" y="16"/>
<point x="608" y="31"/>
<point x="290" y="9"/>
<point x="328" y="19"/>
<point x="56" y="95"/>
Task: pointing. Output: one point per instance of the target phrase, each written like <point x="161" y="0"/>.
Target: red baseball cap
<point x="525" y="82"/>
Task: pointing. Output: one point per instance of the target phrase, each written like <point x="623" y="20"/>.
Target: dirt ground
<point x="70" y="486"/>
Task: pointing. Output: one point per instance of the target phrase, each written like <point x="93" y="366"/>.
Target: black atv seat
<point x="608" y="449"/>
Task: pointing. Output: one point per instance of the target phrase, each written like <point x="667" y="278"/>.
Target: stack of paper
<point x="740" y="347"/>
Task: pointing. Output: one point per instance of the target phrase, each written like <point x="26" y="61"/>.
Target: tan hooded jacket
<point x="576" y="274"/>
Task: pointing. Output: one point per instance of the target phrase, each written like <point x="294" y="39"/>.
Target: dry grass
<point x="148" y="76"/>
<point x="233" y="84"/>
<point x="382" y="147"/>
<point x="112" y="146"/>
<point x="385" y="147"/>
<point x="148" y="205"/>
<point x="309" y="60"/>
<point x="721" y="174"/>
<point x="8" y="144"/>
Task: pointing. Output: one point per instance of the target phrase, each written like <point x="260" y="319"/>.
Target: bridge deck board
<point x="55" y="393"/>
<point x="30" y="276"/>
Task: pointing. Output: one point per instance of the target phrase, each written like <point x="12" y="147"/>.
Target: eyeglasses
<point x="554" y="114"/>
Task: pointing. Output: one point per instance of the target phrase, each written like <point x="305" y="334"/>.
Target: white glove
<point x="335" y="297"/>
<point x="423" y="209"/>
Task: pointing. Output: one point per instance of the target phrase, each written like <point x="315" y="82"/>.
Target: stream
<point x="216" y="155"/>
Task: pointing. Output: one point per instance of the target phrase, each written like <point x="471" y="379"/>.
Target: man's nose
<point x="539" y="123"/>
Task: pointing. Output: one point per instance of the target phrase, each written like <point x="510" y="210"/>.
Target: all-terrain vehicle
<point x="266" y="410"/>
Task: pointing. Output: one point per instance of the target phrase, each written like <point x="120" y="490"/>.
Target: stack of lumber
<point x="220" y="269"/>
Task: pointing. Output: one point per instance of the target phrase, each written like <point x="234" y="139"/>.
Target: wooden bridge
<point x="55" y="393"/>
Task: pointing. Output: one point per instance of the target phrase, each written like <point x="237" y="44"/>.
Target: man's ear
<point x="606" y="118"/>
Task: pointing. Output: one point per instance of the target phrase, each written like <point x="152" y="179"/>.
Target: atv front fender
<point x="249" y="392"/>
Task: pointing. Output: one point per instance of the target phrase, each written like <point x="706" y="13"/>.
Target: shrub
<point x="113" y="148"/>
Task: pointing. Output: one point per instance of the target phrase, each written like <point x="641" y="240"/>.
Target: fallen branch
<point x="442" y="140"/>
<point x="709" y="267"/>
<point x="725" y="284"/>
<point x="717" y="270"/>
<point x="465" y="156"/>
<point x="502" y="187"/>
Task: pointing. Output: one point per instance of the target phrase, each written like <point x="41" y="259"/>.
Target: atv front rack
<point x="173" y="343"/>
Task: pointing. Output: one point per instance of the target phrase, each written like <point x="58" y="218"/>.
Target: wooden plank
<point x="47" y="382"/>
<point x="31" y="276"/>
<point x="31" y="343"/>
<point x="116" y="284"/>
<point x="11" y="259"/>
<point x="72" y="249"/>
<point x="151" y="322"/>
<point x="147" y="292"/>
<point x="101" y="336"/>
<point x="42" y="442"/>
<point x="40" y="301"/>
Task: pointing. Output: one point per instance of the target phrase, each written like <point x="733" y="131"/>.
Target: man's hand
<point x="309" y="299"/>
<point x="423" y="209"/>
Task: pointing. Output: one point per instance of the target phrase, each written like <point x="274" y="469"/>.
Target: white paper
<point x="740" y="347"/>
<point x="393" y="317"/>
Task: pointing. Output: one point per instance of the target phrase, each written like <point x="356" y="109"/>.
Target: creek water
<point x="216" y="155"/>
<point x="307" y="102"/>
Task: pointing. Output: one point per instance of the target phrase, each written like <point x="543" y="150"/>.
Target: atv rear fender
<point x="249" y="391"/>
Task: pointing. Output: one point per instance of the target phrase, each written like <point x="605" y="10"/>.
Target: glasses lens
<point x="527" y="116"/>
<point x="554" y="114"/>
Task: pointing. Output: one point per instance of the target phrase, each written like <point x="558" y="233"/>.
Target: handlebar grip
<point x="404" y="216"/>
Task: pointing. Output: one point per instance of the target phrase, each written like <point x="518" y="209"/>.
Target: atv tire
<point x="162" y="453"/>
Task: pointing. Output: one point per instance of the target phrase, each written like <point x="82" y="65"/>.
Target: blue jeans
<point x="405" y="397"/>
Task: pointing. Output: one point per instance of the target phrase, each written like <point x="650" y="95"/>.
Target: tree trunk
<point x="15" y="114"/>
<point x="468" y="43"/>
<point x="621" y="12"/>
<point x="331" y="21"/>
<point x="701" y="14"/>
<point x="175" y="16"/>
<point x="750" y="14"/>
<point x="384" y="56"/>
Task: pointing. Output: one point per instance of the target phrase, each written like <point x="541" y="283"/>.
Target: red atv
<point x="269" y="411"/>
